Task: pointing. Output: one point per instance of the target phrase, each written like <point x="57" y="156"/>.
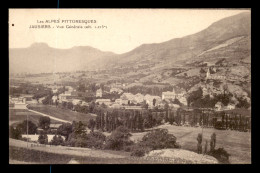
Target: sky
<point x="125" y="29"/>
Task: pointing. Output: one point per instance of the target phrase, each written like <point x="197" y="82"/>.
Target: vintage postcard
<point x="130" y="86"/>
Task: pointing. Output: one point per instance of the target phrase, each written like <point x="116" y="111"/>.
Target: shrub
<point x="91" y="124"/>
<point x="221" y="155"/>
<point x="95" y="140"/>
<point x="118" y="139"/>
<point x="138" y="152"/>
<point x="22" y="127"/>
<point x="91" y="140"/>
<point x="44" y="122"/>
<point x="199" y="145"/>
<point x="43" y="138"/>
<point x="159" y="139"/>
<point x="213" y="142"/>
<point x="15" y="133"/>
<point x="64" y="130"/>
<point x="57" y="140"/>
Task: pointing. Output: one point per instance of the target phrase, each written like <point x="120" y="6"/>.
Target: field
<point x="238" y="144"/>
<point x="63" y="114"/>
<point x="18" y="115"/>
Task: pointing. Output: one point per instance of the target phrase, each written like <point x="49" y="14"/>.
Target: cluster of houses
<point x="179" y="94"/>
<point x="214" y="76"/>
<point x="220" y="106"/>
<point x="126" y="100"/>
<point x="138" y="99"/>
<point x="70" y="95"/>
<point x="21" y="102"/>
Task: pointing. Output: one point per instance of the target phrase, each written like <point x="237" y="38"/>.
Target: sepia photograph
<point x="129" y="86"/>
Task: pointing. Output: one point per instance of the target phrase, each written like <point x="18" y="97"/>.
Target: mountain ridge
<point x="86" y="57"/>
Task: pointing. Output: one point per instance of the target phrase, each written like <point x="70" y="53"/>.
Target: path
<point x="51" y="117"/>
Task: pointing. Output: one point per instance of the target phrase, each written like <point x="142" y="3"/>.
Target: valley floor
<point x="236" y="143"/>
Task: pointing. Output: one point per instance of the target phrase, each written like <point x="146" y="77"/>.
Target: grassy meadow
<point x="64" y="114"/>
<point x="18" y="115"/>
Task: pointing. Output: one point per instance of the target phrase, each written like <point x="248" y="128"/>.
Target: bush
<point x="57" y="140"/>
<point x="119" y="139"/>
<point x="221" y="155"/>
<point x="138" y="152"/>
<point x="15" y="133"/>
<point x="159" y="139"/>
<point x="95" y="140"/>
<point x="199" y="145"/>
<point x="43" y="139"/>
<point x="64" y="130"/>
<point x="91" y="140"/>
<point x="22" y="127"/>
<point x="44" y="122"/>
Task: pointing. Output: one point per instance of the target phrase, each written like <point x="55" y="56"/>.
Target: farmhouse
<point x="168" y="95"/>
<point x="172" y="95"/>
<point x="55" y="126"/>
<point x="105" y="101"/>
<point x="230" y="106"/>
<point x="63" y="97"/>
<point x="138" y="98"/>
<point x="69" y="88"/>
<point x="183" y="100"/>
<point x="117" y="90"/>
<point x="76" y="101"/>
<point x="54" y="91"/>
<point x="17" y="103"/>
<point x="99" y="93"/>
<point x="116" y="105"/>
<point x="214" y="76"/>
<point x="149" y="99"/>
<point x="118" y="101"/>
<point x="118" y="85"/>
<point x="68" y="92"/>
<point x="126" y="97"/>
<point x="218" y="106"/>
<point x="54" y="98"/>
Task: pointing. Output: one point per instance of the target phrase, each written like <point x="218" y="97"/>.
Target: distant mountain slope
<point x="191" y="46"/>
<point x="229" y="37"/>
<point x="39" y="57"/>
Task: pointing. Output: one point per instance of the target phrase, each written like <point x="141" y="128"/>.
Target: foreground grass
<point x="29" y="156"/>
<point x="63" y="114"/>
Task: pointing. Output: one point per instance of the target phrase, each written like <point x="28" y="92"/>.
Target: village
<point x="182" y="100"/>
<point x="121" y="98"/>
